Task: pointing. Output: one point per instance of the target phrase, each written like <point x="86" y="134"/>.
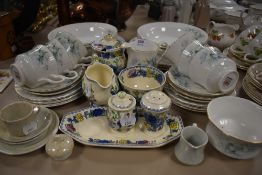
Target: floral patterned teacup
<point x="212" y="70"/>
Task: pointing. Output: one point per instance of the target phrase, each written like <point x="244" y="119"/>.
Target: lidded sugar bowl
<point x="108" y="51"/>
<point x="121" y="111"/>
<point x="155" y="105"/>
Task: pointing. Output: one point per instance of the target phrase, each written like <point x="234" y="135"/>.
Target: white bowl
<point x="86" y="32"/>
<point x="168" y="32"/>
<point x="239" y="122"/>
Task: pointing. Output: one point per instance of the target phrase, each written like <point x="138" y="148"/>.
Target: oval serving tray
<point x="89" y="126"/>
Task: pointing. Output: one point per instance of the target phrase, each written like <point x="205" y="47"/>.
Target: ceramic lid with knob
<point x="122" y="101"/>
<point x="155" y="101"/>
<point x="107" y="44"/>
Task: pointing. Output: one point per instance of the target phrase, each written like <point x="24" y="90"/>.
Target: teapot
<point x="221" y="35"/>
<point x="108" y="51"/>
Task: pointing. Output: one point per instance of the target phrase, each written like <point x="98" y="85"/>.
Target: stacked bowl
<point x="252" y="83"/>
<point x="50" y="75"/>
<point x="246" y="50"/>
<point x="199" y="74"/>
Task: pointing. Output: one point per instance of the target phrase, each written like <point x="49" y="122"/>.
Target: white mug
<point x="36" y="67"/>
<point x="211" y="69"/>
<point x="190" y="148"/>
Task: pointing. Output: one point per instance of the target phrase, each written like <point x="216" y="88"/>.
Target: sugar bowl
<point x="121" y="111"/>
<point x="155" y="105"/>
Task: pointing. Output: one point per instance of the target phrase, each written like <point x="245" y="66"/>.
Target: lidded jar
<point x="155" y="105"/>
<point x="121" y="111"/>
<point x="108" y="51"/>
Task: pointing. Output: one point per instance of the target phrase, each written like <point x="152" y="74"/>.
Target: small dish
<point x="89" y="126"/>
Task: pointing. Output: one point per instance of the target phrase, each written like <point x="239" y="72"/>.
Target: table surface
<point x="98" y="160"/>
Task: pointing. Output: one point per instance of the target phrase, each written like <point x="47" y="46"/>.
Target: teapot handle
<point x="210" y="26"/>
<point x="241" y="16"/>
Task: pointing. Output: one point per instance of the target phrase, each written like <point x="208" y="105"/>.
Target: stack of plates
<point x="240" y="62"/>
<point x="50" y="95"/>
<point x="252" y="84"/>
<point x="14" y="145"/>
<point x="187" y="94"/>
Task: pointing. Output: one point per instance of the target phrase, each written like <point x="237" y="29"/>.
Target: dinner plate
<point x="168" y="32"/>
<point x="89" y="126"/>
<point x="86" y="32"/>
<point x="12" y="149"/>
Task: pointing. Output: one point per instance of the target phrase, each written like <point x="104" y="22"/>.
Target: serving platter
<point x="89" y="126"/>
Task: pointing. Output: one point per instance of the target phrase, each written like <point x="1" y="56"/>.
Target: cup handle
<point x="87" y="59"/>
<point x="210" y="26"/>
<point x="255" y="60"/>
<point x="73" y="74"/>
<point x="259" y="76"/>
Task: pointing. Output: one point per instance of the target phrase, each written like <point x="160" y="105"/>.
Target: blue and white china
<point x="108" y="50"/>
<point x="187" y="56"/>
<point x="137" y="80"/>
<point x="169" y="32"/>
<point x="121" y="111"/>
<point x="75" y="48"/>
<point x="37" y="67"/>
<point x="191" y="146"/>
<point x="235" y="128"/>
<point x="211" y="69"/>
<point x="155" y="106"/>
<point x="99" y="83"/>
<point x="174" y="51"/>
<point x="89" y="126"/>
<point x="141" y="52"/>
<point x="86" y="32"/>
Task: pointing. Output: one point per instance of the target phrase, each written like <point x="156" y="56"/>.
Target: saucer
<point x="10" y="139"/>
<point x="90" y="126"/>
<point x="184" y="83"/>
<point x="18" y="149"/>
<point x="254" y="93"/>
<point x="59" y="87"/>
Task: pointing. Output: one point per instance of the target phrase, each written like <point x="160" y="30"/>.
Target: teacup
<point x="155" y="105"/>
<point x="75" y="48"/>
<point x="254" y="50"/>
<point x="187" y="55"/>
<point x="190" y="148"/>
<point x="211" y="69"/>
<point x="174" y="51"/>
<point x="21" y="118"/>
<point x="36" y="67"/>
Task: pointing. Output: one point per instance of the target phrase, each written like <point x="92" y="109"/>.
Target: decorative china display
<point x="86" y="32"/>
<point x="169" y="32"/>
<point x="99" y="83"/>
<point x="109" y="50"/>
<point x="141" y="52"/>
<point x="190" y="148"/>
<point x="121" y="111"/>
<point x="221" y="35"/>
<point x="137" y="80"/>
<point x="155" y="106"/>
<point x="234" y="134"/>
<point x="89" y="126"/>
<point x="23" y="145"/>
<point x="59" y="146"/>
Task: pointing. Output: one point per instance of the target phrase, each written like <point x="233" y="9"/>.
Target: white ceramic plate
<point x="90" y="127"/>
<point x="86" y="32"/>
<point x="168" y="32"/>
<point x="254" y="93"/>
<point x="35" y="144"/>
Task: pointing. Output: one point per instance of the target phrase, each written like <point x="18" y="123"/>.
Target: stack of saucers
<point x="36" y="134"/>
<point x="51" y="95"/>
<point x="252" y="83"/>
<point x="187" y="94"/>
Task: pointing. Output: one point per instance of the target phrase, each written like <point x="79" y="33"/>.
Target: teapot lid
<point x="122" y="101"/>
<point x="107" y="44"/>
<point x="155" y="101"/>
